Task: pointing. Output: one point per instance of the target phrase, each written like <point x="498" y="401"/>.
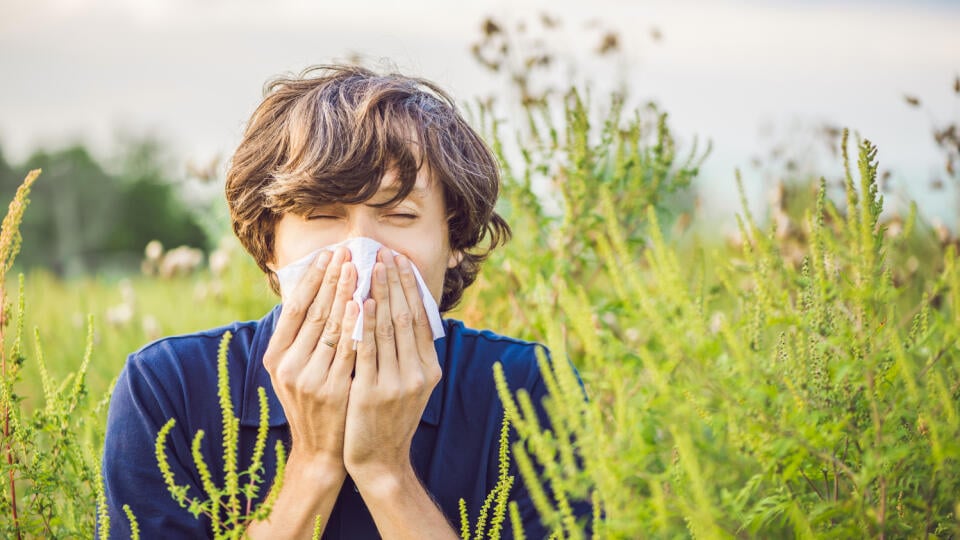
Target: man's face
<point x="415" y="227"/>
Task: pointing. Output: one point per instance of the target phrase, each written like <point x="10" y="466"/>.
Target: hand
<point x="310" y="359"/>
<point x="396" y="370"/>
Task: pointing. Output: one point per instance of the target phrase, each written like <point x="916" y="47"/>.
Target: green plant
<point x="743" y="395"/>
<point x="222" y="505"/>
<point x="566" y="181"/>
<point x="50" y="453"/>
<point x="494" y="507"/>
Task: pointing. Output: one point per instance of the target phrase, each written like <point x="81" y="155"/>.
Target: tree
<point x="86" y="218"/>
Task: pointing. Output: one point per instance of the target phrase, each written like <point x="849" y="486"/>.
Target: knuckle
<point x="306" y="385"/>
<point x="322" y="393"/>
<point x="295" y="309"/>
<point x="270" y="360"/>
<point x="331" y="278"/>
<point x="359" y="396"/>
<point x="344" y="289"/>
<point x="433" y="375"/>
<point x="333" y="329"/>
<point x="404" y="319"/>
<point x="285" y="376"/>
<point x="416" y="382"/>
<point x="316" y="315"/>
<point x="391" y="393"/>
<point x="385" y="330"/>
<point x="420" y="319"/>
<point x="271" y="366"/>
<point x="348" y="321"/>
<point x="366" y="353"/>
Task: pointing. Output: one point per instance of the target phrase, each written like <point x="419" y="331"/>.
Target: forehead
<point x="390" y="185"/>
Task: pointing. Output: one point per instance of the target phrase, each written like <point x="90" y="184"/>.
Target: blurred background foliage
<point x="95" y="216"/>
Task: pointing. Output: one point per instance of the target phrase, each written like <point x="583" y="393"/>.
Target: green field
<point x="801" y="382"/>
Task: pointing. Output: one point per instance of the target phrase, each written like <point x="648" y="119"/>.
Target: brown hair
<point x="331" y="133"/>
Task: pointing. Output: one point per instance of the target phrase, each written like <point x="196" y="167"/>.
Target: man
<point x="384" y="434"/>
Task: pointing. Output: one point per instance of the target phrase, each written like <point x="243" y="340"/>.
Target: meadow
<point x="797" y="381"/>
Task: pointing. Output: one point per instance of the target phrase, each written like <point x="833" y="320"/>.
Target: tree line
<point x="95" y="215"/>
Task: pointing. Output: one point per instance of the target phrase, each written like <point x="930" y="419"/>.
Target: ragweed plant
<point x="489" y="522"/>
<point x="574" y="157"/>
<point x="49" y="454"/>
<point x="222" y="505"/>
<point x="743" y="395"/>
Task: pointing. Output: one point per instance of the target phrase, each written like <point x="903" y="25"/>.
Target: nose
<point x="363" y="223"/>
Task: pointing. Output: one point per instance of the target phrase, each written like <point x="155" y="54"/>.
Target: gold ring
<point x="328" y="343"/>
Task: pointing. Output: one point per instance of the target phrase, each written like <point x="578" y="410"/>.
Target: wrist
<point x="315" y="469"/>
<point x="385" y="482"/>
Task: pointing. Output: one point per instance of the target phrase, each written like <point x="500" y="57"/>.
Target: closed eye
<point x="402" y="216"/>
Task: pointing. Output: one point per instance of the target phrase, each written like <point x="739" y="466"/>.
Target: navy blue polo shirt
<point x="454" y="450"/>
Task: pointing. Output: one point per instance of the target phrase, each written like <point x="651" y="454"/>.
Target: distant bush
<point x="88" y="218"/>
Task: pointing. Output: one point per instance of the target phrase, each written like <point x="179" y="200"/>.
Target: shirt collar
<point x="257" y="376"/>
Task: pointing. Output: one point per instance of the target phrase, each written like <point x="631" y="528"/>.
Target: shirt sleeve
<point x="139" y="407"/>
<point x="532" y="527"/>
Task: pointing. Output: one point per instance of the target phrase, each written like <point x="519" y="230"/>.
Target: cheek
<point x="432" y="267"/>
<point x="434" y="281"/>
<point x="294" y="238"/>
<point x="289" y="250"/>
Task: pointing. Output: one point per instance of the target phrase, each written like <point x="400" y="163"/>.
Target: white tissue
<point x="363" y="253"/>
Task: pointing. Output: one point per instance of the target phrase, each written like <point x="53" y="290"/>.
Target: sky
<point x="745" y="75"/>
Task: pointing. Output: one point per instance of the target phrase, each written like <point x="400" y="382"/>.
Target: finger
<point x="345" y="287"/>
<point x="294" y="309"/>
<point x="421" y="323"/>
<point x="326" y="347"/>
<point x="408" y="357"/>
<point x="387" y="368"/>
<point x="318" y="312"/>
<point x="345" y="359"/>
<point x="366" y="368"/>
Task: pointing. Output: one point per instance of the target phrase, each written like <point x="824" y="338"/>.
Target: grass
<point x="158" y="308"/>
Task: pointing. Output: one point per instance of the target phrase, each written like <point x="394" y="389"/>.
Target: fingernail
<point x="370" y="307"/>
<point x="323" y="258"/>
<point x="380" y="272"/>
<point x="402" y="262"/>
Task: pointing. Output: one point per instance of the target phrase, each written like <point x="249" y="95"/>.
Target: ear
<point x="455" y="258"/>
